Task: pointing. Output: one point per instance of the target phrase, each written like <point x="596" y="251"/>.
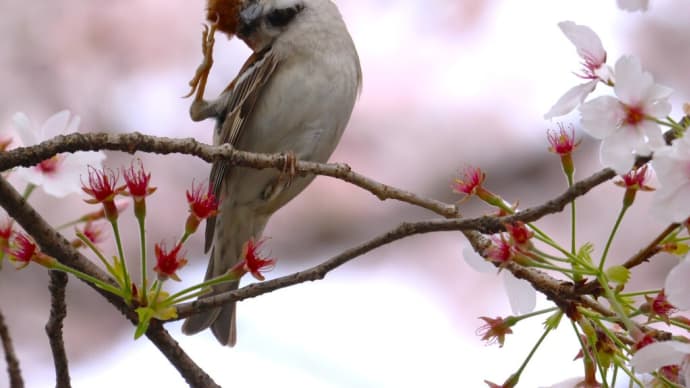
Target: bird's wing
<point x="244" y="90"/>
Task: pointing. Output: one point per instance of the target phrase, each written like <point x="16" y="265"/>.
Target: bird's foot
<point x="198" y="83"/>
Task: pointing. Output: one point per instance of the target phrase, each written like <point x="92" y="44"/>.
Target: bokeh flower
<point x="59" y="175"/>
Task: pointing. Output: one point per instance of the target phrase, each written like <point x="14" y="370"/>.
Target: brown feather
<point x="225" y="13"/>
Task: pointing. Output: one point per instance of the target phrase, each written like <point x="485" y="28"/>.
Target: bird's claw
<point x="198" y="83"/>
<point x="289" y="168"/>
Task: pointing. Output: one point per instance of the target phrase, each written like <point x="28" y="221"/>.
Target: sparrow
<point x="294" y="95"/>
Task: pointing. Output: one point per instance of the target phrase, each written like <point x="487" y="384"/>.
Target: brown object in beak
<point x="225" y="13"/>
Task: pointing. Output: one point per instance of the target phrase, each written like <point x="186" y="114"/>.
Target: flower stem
<point x="611" y="236"/>
<point x="28" y="190"/>
<point x="95" y="250"/>
<point x="617" y="308"/>
<point x="97" y="282"/>
<point x="531" y="353"/>
<point x="125" y="274"/>
<point x="209" y="283"/>
<point x="144" y="265"/>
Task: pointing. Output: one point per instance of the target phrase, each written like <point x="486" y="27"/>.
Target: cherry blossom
<point x="625" y="123"/>
<point x="592" y="52"/>
<point x="59" y="175"/>
<point x="661" y="354"/>
<point x="677" y="287"/>
<point x="672" y="166"/>
<point x="633" y="5"/>
<point x="521" y="294"/>
<point x="253" y="262"/>
<point x="168" y="262"/>
<point x="202" y="205"/>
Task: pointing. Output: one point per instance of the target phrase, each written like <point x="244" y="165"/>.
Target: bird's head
<point x="256" y="22"/>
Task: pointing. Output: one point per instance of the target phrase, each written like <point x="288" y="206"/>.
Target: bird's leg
<point x="284" y="180"/>
<point x="289" y="169"/>
<point x="200" y="109"/>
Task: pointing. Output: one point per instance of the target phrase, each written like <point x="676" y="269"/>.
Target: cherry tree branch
<point x="488" y="224"/>
<point x="562" y="293"/>
<point x="58" y="312"/>
<point x="54" y="244"/>
<point x="132" y="142"/>
<point x="13" y="370"/>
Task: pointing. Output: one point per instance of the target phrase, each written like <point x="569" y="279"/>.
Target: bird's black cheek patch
<point x="282" y="16"/>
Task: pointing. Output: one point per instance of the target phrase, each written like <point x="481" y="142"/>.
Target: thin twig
<point x="13" y="369"/>
<point x="651" y="249"/>
<point x="58" y="312"/>
<point x="553" y="289"/>
<point x="55" y="245"/>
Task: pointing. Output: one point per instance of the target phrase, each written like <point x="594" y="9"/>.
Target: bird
<point x="294" y="95"/>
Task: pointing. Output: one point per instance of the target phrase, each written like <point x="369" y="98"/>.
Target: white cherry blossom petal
<point x="632" y="83"/>
<point x="677" y="286"/>
<point x="55" y="125"/>
<point x="671" y="201"/>
<point x="571" y="99"/>
<point x="616" y="151"/>
<point x="655" y="138"/>
<point x="27" y="134"/>
<point x="474" y="260"/>
<point x="659" y="354"/>
<point x="521" y="295"/>
<point x="672" y="205"/>
<point x="601" y="116"/>
<point x="64" y="176"/>
<point x="586" y="41"/>
<point x="68" y="179"/>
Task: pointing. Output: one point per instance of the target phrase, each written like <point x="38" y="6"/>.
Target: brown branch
<point x="58" y="312"/>
<point x="13" y="369"/>
<point x="132" y="142"/>
<point x="554" y="289"/>
<point x="561" y="292"/>
<point x="54" y="244"/>
<point x="651" y="249"/>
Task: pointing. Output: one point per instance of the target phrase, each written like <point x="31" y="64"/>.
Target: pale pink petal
<point x="655" y="138"/>
<point x="571" y="99"/>
<point x="605" y="72"/>
<point x="474" y="260"/>
<point x="633" y="5"/>
<point x="670" y="169"/>
<point x="601" y="116"/>
<point x="616" y="151"/>
<point x="677" y="286"/>
<point x="672" y="204"/>
<point x="73" y="125"/>
<point x="632" y="83"/>
<point x="658" y="107"/>
<point x="586" y="41"/>
<point x="521" y="294"/>
<point x="29" y="174"/>
<point x="55" y="125"/>
<point x="658" y="92"/>
<point x="658" y="354"/>
<point x="27" y="133"/>
<point x="67" y="179"/>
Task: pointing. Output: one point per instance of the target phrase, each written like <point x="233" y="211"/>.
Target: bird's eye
<point x="282" y="16"/>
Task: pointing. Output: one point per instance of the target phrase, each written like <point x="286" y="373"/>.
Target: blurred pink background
<point x="447" y="83"/>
